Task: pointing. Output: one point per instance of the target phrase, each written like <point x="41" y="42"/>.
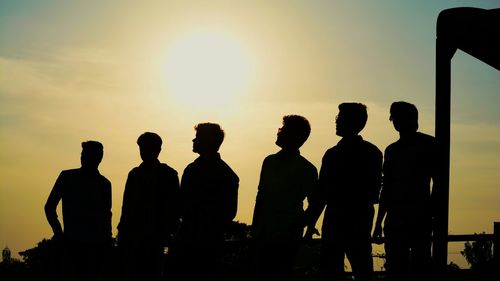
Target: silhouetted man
<point x="286" y="179"/>
<point x="86" y="211"/>
<point x="209" y="196"/>
<point x="349" y="179"/>
<point x="405" y="200"/>
<point x="149" y="212"/>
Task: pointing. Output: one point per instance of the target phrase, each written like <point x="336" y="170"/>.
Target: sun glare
<point x="207" y="70"/>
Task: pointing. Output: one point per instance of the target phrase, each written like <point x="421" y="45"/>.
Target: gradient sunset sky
<point x="72" y="71"/>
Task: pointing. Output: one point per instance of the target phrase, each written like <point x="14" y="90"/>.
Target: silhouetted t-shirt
<point x="86" y="205"/>
<point x="350" y="179"/>
<point x="409" y="167"/>
<point x="286" y="179"/>
<point x="209" y="196"/>
<point x="150" y="204"/>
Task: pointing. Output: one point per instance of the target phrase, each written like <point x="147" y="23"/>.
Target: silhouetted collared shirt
<point x="350" y="179"/>
<point x="150" y="207"/>
<point x="209" y="196"/>
<point x="86" y="205"/>
<point x="286" y="179"/>
<point x="409" y="167"/>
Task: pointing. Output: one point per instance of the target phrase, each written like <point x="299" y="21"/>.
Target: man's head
<point x="294" y="132"/>
<point x="92" y="153"/>
<point x="209" y="137"/>
<point x="404" y="117"/>
<point x="149" y="146"/>
<point x="351" y="119"/>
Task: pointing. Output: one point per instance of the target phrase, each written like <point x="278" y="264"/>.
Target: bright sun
<point x="207" y="70"/>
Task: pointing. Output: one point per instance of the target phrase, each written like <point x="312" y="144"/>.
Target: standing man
<point x="349" y="179"/>
<point x="286" y="179"/>
<point x="149" y="213"/>
<point x="86" y="211"/>
<point x="405" y="200"/>
<point x="209" y="198"/>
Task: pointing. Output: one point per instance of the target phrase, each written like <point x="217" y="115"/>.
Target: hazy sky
<point x="72" y="71"/>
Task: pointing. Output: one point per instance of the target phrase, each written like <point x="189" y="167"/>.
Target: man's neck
<point x="289" y="150"/>
<point x="90" y="170"/>
<point x="150" y="163"/>
<point x="350" y="137"/>
<point x="407" y="135"/>
<point x="210" y="154"/>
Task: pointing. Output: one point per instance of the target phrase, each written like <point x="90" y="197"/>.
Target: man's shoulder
<point x="76" y="174"/>
<point x="270" y="159"/>
<point x="425" y="138"/>
<point x="392" y="147"/>
<point x="105" y="180"/>
<point x="371" y="147"/>
<point x="134" y="171"/>
<point x="307" y="164"/>
<point x="228" y="170"/>
<point x="331" y="152"/>
<point x="167" y="169"/>
<point x="191" y="170"/>
<point x="70" y="174"/>
<point x="71" y="171"/>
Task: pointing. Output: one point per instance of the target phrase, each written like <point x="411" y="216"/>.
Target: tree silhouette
<point x="479" y="254"/>
<point x="41" y="261"/>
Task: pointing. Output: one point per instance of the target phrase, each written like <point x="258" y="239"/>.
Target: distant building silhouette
<point x="349" y="181"/>
<point x="286" y="179"/>
<point x="6" y="254"/>
<point x="86" y="211"/>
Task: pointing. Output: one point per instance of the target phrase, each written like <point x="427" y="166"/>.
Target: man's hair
<point x="95" y="148"/>
<point x="150" y="140"/>
<point x="354" y="114"/>
<point x="405" y="113"/>
<point x="210" y="134"/>
<point x="298" y="127"/>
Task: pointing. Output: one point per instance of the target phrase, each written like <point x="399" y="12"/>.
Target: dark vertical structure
<point x="496" y="247"/>
<point x="476" y="32"/>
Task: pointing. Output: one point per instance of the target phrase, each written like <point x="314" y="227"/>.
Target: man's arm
<point x="376" y="177"/>
<point x="315" y="206"/>
<point x="383" y="198"/>
<point x="124" y="219"/>
<point x="435" y="186"/>
<point x="257" y="211"/>
<point x="317" y="199"/>
<point x="51" y="207"/>
<point x="185" y="190"/>
<point x="312" y="214"/>
<point x="233" y="196"/>
<point x="107" y="209"/>
<point x="172" y="204"/>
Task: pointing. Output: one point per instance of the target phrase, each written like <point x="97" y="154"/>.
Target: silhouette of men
<point x="149" y="213"/>
<point x="286" y="179"/>
<point x="349" y="181"/>
<point x="209" y="198"/>
<point x="86" y="211"/>
<point x="405" y="199"/>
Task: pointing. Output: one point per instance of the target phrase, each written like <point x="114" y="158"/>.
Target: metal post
<point x="444" y="53"/>
<point x="496" y="249"/>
